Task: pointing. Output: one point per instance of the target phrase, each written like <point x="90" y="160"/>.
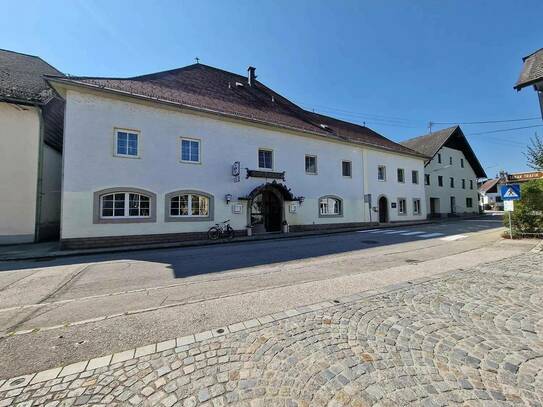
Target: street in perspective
<point x="357" y="222"/>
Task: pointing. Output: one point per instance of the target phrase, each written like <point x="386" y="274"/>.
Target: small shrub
<point x="528" y="214"/>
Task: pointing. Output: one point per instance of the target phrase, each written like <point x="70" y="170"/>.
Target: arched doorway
<point x="267" y="211"/>
<point x="383" y="210"/>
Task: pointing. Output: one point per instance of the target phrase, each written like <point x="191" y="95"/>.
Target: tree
<point x="535" y="153"/>
<point x="528" y="214"/>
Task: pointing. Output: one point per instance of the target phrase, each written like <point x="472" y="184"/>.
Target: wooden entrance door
<point x="383" y="210"/>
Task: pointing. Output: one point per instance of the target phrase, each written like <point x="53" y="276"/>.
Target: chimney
<point x="251" y="77"/>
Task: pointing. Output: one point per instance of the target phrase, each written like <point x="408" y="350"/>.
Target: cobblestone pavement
<point x="473" y="337"/>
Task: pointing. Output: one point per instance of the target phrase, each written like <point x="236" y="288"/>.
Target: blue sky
<point x="395" y="65"/>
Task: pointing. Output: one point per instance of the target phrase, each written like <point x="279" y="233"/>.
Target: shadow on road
<point x="191" y="261"/>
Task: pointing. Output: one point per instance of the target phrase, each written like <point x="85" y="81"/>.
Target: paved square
<point x="473" y="337"/>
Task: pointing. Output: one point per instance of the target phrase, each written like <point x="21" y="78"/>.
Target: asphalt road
<point x="61" y="311"/>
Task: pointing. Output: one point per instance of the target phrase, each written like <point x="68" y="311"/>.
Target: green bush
<point x="528" y="214"/>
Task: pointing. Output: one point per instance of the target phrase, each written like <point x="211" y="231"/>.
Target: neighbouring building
<point x="489" y="195"/>
<point x="31" y="121"/>
<point x="163" y="157"/>
<point x="489" y="190"/>
<point x="532" y="75"/>
<point x="450" y="177"/>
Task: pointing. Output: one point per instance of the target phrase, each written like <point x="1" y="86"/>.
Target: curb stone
<point x="107" y="360"/>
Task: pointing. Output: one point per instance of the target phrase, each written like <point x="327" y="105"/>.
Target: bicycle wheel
<point x="229" y="233"/>
<point x="213" y="233"/>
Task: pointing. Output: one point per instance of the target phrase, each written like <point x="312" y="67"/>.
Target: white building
<point x="489" y="195"/>
<point x="150" y="159"/>
<point x="31" y="119"/>
<point x="450" y="177"/>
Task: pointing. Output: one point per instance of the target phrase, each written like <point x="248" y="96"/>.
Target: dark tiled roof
<point x="487" y="185"/>
<point x="206" y="88"/>
<point x="429" y="144"/>
<point x="532" y="71"/>
<point x="453" y="137"/>
<point x="362" y="134"/>
<point x="21" y="78"/>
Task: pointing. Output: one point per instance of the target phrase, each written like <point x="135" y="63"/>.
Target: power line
<point x="505" y="130"/>
<point x="491" y="121"/>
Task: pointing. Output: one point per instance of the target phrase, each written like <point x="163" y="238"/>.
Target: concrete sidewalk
<point x="50" y="250"/>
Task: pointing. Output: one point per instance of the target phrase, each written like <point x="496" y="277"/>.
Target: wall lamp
<point x="228" y="198"/>
<point x="301" y="199"/>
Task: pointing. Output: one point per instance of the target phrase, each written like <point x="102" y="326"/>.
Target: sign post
<point x="510" y="194"/>
<point x="367" y="199"/>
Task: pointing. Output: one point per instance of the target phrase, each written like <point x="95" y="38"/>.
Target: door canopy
<point x="281" y="189"/>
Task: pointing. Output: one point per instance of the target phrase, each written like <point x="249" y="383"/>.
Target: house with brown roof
<point x="532" y="74"/>
<point x="489" y="195"/>
<point x="450" y="176"/>
<point x="164" y="156"/>
<point x="31" y="122"/>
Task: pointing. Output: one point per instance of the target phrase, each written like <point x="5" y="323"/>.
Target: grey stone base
<point x="16" y="239"/>
<point x="130" y="240"/>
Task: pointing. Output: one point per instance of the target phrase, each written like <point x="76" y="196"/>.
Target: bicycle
<point x="221" y="230"/>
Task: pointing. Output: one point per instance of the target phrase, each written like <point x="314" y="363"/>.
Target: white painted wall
<point x="434" y="168"/>
<point x="19" y="138"/>
<point x="391" y="188"/>
<point x="90" y="165"/>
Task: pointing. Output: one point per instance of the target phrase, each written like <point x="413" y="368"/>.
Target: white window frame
<point x="305" y="163"/>
<point x="189" y="205"/>
<point x="400" y="212"/>
<point x="451" y="182"/>
<point x="427" y="179"/>
<point x="384" y="167"/>
<point x="463" y="183"/>
<point x="272" y="159"/>
<point x="350" y="168"/>
<point x="470" y="184"/>
<point x="403" y="175"/>
<point x="471" y="199"/>
<point x="439" y="158"/>
<point x="416" y="206"/>
<point x="331" y="215"/>
<point x="192" y="140"/>
<point x="126" y="206"/>
<point x="116" y="131"/>
<point x="462" y="163"/>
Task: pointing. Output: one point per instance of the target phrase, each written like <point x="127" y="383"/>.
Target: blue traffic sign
<point x="510" y="192"/>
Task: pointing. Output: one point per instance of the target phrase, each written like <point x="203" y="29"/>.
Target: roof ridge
<point x="533" y="53"/>
<point x="452" y="128"/>
<point x="31" y="56"/>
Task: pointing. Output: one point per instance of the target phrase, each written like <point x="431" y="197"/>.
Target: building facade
<point x="31" y="119"/>
<point x="450" y="177"/>
<point x="532" y="75"/>
<point x="141" y="169"/>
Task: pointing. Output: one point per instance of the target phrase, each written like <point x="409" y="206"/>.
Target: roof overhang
<point x="61" y="84"/>
<point x="458" y="139"/>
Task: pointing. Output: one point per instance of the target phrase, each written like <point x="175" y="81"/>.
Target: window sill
<point x="189" y="162"/>
<point x="126" y="156"/>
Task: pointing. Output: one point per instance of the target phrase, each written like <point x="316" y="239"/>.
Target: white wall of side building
<point x="20" y="139"/>
<point x="444" y="193"/>
<point x="90" y="165"/>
